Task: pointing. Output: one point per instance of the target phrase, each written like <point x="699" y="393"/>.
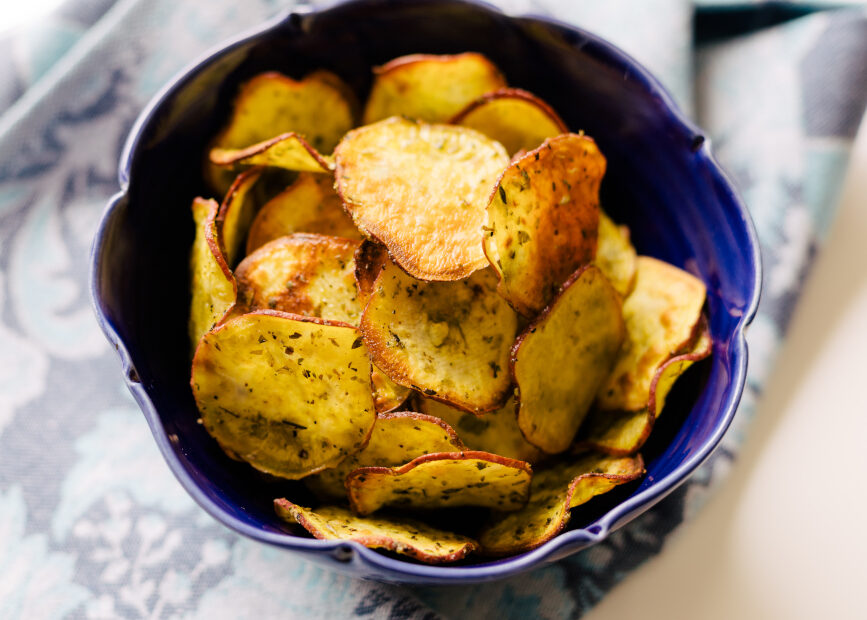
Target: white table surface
<point x="786" y="535"/>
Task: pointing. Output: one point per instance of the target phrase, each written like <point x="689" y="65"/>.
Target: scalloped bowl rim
<point x="578" y="538"/>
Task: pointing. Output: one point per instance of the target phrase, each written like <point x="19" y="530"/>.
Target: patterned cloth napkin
<point x="92" y="524"/>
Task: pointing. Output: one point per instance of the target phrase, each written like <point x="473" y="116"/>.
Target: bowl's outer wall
<point x="661" y="182"/>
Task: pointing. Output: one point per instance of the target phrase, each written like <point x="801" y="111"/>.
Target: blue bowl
<point x="662" y="181"/>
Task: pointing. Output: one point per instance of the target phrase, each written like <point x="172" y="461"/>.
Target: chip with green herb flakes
<point x="442" y="480"/>
<point x="397" y="534"/>
<point x="430" y="88"/>
<point x="615" y="255"/>
<point x="554" y="491"/>
<point x="448" y="340"/>
<point x="542" y="220"/>
<point x="662" y="316"/>
<point x="561" y="359"/>
<point x="290" y="395"/>
<point x="396" y="439"/>
<point x="515" y="118"/>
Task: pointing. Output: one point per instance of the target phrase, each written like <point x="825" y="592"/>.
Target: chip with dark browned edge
<point x="289" y="151"/>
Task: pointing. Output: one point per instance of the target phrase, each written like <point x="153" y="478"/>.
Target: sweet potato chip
<point x="513" y="117"/>
<point x="289" y="151"/>
<point x="624" y="432"/>
<point x="449" y="340"/>
<point x="288" y="394"/>
<point x="554" y="491"/>
<point x="237" y="213"/>
<point x="303" y="273"/>
<point x="542" y="220"/>
<point x="662" y="319"/>
<point x="615" y="255"/>
<point x="421" y="190"/>
<point x="442" y="480"/>
<point x="309" y="205"/>
<point x="430" y="88"/>
<point x="213" y="285"/>
<point x="396" y="534"/>
<point x="397" y="438"/>
<point x="316" y="107"/>
<point x="496" y="432"/>
<point x="562" y="358"/>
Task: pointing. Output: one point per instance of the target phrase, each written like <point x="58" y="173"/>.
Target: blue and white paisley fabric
<point x="92" y="524"/>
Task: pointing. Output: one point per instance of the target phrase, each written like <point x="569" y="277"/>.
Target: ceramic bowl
<point x="662" y="182"/>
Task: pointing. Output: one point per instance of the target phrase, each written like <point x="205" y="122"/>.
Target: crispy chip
<point x="289" y="151"/>
<point x="397" y="534"/>
<point x="624" y="432"/>
<point x="562" y="358"/>
<point x="515" y="118"/>
<point x="496" y="432"/>
<point x="387" y="394"/>
<point x="422" y="191"/>
<point x="303" y="273"/>
<point x="237" y="213"/>
<point x="288" y="394"/>
<point x="542" y="220"/>
<point x="442" y="480"/>
<point x="309" y="205"/>
<point x="213" y="285"/>
<point x="449" y="340"/>
<point x="430" y="88"/>
<point x="271" y="104"/>
<point x="662" y="319"/>
<point x="615" y="255"/>
<point x="369" y="261"/>
<point x="396" y="439"/>
<point x="554" y="491"/>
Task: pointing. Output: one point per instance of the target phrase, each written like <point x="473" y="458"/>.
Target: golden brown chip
<point x="449" y="340"/>
<point x="303" y="273"/>
<point x="554" y="491"/>
<point x="542" y="220"/>
<point x="624" y="432"/>
<point x="562" y="358"/>
<point x="289" y="151"/>
<point x="397" y="534"/>
<point x="396" y="439"/>
<point x="515" y="118"/>
<point x="309" y="205"/>
<point x="662" y="319"/>
<point x="237" y="213"/>
<point x="430" y="88"/>
<point x="369" y="260"/>
<point x="496" y="432"/>
<point x="442" y="480"/>
<point x="271" y="104"/>
<point x="387" y="394"/>
<point x="213" y="285"/>
<point x="615" y="255"/>
<point x="421" y="190"/>
<point x="288" y="394"/>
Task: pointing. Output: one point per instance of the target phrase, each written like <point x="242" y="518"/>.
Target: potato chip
<point x="662" y="317"/>
<point x="387" y="395"/>
<point x="289" y="395"/>
<point x="442" y="480"/>
<point x="303" y="273"/>
<point x="615" y="255"/>
<point x="496" y="432"/>
<point x="624" y="432"/>
<point x="289" y="151"/>
<point x="542" y="220"/>
<point x="370" y="258"/>
<point x="430" y="88"/>
<point x="513" y="117"/>
<point x="449" y="340"/>
<point x="554" y="491"/>
<point x="397" y="438"/>
<point x="396" y="534"/>
<point x="309" y="205"/>
<point x="237" y="213"/>
<point x="421" y="190"/>
<point x="563" y="357"/>
<point x="271" y="104"/>
<point x="213" y="285"/>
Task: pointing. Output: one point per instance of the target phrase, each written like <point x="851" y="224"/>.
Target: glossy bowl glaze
<point x="662" y="181"/>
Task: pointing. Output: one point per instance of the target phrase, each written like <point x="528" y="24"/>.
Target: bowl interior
<point x="660" y="182"/>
